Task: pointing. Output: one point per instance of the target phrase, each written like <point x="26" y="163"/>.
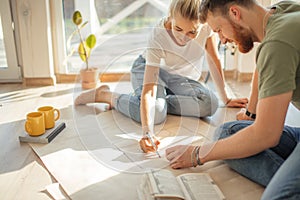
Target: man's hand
<point x="146" y="144"/>
<point x="237" y="103"/>
<point x="242" y="116"/>
<point x="180" y="156"/>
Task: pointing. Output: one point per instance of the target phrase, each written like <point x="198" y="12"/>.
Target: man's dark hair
<point x="220" y="6"/>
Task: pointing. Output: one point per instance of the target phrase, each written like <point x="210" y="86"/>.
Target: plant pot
<point x="89" y="78"/>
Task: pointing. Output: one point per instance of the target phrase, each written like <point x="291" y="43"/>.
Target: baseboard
<point x="67" y="78"/>
<point x="239" y="76"/>
<point x="115" y="77"/>
<point x="244" y="76"/>
<point x="107" y="77"/>
<point x="230" y="74"/>
<point x="39" y="81"/>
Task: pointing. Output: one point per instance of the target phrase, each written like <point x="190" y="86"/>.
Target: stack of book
<point x="47" y="137"/>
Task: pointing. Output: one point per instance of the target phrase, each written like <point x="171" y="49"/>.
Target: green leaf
<point x="77" y="18"/>
<point x="84" y="51"/>
<point x="91" y="41"/>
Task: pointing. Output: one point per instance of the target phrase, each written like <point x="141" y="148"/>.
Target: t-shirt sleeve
<point x="210" y="32"/>
<point x="155" y="49"/>
<point x="277" y="65"/>
<point x="205" y="32"/>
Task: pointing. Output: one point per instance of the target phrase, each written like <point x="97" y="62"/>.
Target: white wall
<point x="265" y="2"/>
<point x="246" y="62"/>
<point x="35" y="38"/>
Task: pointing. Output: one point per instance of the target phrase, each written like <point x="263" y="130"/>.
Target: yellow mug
<point x="35" y="123"/>
<point x="51" y="115"/>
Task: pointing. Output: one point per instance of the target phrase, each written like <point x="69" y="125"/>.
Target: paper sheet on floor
<point x="97" y="156"/>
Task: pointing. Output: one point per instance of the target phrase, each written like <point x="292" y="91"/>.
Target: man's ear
<point x="235" y="13"/>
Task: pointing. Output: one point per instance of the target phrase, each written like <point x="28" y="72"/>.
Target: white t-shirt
<point x="182" y="60"/>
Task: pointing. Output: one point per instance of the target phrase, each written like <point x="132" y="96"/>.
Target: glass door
<point x="9" y="69"/>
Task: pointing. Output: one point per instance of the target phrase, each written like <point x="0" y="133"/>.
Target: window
<point x="121" y="28"/>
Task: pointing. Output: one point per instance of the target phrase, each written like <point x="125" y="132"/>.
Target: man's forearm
<point x="254" y="93"/>
<point x="264" y="133"/>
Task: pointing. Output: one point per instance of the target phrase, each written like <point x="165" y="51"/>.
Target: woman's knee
<point x="138" y="65"/>
<point x="160" y="111"/>
<point x="208" y="103"/>
<point x="214" y="102"/>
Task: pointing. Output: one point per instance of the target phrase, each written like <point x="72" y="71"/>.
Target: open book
<point x="162" y="185"/>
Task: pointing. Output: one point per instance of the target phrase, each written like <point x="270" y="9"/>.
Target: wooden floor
<point x="22" y="173"/>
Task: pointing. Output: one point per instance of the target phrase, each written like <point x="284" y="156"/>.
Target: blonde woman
<point x="168" y="73"/>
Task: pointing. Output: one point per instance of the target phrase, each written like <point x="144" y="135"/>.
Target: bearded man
<point x="265" y="150"/>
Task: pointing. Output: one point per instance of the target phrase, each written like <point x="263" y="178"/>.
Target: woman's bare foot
<point x="92" y="96"/>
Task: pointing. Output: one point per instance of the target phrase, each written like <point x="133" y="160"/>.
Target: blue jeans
<point x="176" y="95"/>
<point x="278" y="168"/>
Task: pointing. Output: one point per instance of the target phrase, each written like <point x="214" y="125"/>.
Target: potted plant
<point x="89" y="75"/>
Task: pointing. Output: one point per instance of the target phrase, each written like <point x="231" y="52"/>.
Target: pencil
<point x="153" y="144"/>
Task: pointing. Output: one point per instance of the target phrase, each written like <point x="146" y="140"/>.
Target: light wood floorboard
<point x="22" y="173"/>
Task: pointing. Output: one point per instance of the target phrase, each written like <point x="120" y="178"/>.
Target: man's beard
<point x="242" y="37"/>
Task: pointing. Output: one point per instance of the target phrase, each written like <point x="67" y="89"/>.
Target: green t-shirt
<point x="278" y="56"/>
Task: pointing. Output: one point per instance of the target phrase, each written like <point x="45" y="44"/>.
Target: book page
<point x="144" y="191"/>
<point x="164" y="184"/>
<point x="199" y="186"/>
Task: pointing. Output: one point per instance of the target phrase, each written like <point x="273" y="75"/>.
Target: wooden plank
<point x="106" y="77"/>
<point x="115" y="77"/>
<point x="39" y="81"/>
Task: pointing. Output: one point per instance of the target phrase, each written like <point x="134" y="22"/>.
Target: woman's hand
<point x="146" y="144"/>
<point x="242" y="116"/>
<point x="237" y="103"/>
<point x="180" y="156"/>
